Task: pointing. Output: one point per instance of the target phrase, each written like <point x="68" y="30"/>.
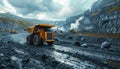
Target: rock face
<point x="105" y="16"/>
<point x="102" y="18"/>
<point x="9" y="22"/>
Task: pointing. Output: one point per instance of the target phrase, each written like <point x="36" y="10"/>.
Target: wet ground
<point x="16" y="54"/>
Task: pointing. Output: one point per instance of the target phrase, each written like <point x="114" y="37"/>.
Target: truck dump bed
<point x="31" y="29"/>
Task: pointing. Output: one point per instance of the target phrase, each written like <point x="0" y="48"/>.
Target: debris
<point x="82" y="39"/>
<point x="7" y="59"/>
<point x="44" y="57"/>
<point x="5" y="40"/>
<point x="2" y="66"/>
<point x="70" y="37"/>
<point x="26" y="60"/>
<point x="14" y="58"/>
<point x="55" y="63"/>
<point x="1" y="54"/>
<point x="57" y="39"/>
<point x="73" y="31"/>
<point x="77" y="43"/>
<point x="106" y="45"/>
<point x="84" y="45"/>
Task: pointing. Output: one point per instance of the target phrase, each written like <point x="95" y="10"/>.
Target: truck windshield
<point x="48" y="30"/>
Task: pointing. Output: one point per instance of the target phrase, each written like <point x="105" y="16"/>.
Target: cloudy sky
<point x="45" y="9"/>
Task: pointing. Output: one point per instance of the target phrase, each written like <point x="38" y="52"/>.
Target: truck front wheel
<point x="37" y="40"/>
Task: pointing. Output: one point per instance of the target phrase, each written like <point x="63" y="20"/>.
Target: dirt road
<point x="16" y="54"/>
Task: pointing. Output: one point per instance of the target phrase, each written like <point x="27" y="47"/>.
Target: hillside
<point x="17" y="22"/>
<point x="102" y="18"/>
<point x="9" y="22"/>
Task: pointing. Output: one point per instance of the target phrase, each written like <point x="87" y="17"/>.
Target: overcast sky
<point x="45" y="9"/>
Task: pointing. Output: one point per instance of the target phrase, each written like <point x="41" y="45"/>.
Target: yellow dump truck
<point x="40" y="33"/>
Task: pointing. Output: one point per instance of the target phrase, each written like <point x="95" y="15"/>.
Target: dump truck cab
<point x="40" y="33"/>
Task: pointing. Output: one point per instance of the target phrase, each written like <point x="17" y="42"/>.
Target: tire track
<point x="102" y="57"/>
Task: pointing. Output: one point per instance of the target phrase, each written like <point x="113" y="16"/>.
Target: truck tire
<point x="37" y="40"/>
<point x="29" y="39"/>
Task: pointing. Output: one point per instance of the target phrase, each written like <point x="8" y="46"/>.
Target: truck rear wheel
<point x="37" y="40"/>
<point x="29" y="39"/>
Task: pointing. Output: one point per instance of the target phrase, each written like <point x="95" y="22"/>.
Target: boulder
<point x="77" y="43"/>
<point x="44" y="57"/>
<point x="70" y="37"/>
<point x="84" y="45"/>
<point x="82" y="39"/>
<point x="105" y="44"/>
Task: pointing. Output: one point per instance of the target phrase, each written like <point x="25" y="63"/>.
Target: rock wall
<point x="103" y="17"/>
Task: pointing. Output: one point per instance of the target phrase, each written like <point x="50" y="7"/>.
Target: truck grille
<point x="49" y="36"/>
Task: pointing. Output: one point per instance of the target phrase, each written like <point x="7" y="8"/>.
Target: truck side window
<point x="36" y="29"/>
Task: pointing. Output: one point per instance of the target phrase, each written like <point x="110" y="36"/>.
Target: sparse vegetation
<point x="9" y="25"/>
<point x="10" y="31"/>
<point x="18" y="22"/>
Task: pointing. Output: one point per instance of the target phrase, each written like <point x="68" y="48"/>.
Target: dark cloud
<point x="26" y="7"/>
<point x="45" y="9"/>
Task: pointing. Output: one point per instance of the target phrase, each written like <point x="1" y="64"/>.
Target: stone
<point x="77" y="43"/>
<point x="105" y="44"/>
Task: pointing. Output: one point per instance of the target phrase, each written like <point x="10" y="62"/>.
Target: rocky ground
<point x="64" y="54"/>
